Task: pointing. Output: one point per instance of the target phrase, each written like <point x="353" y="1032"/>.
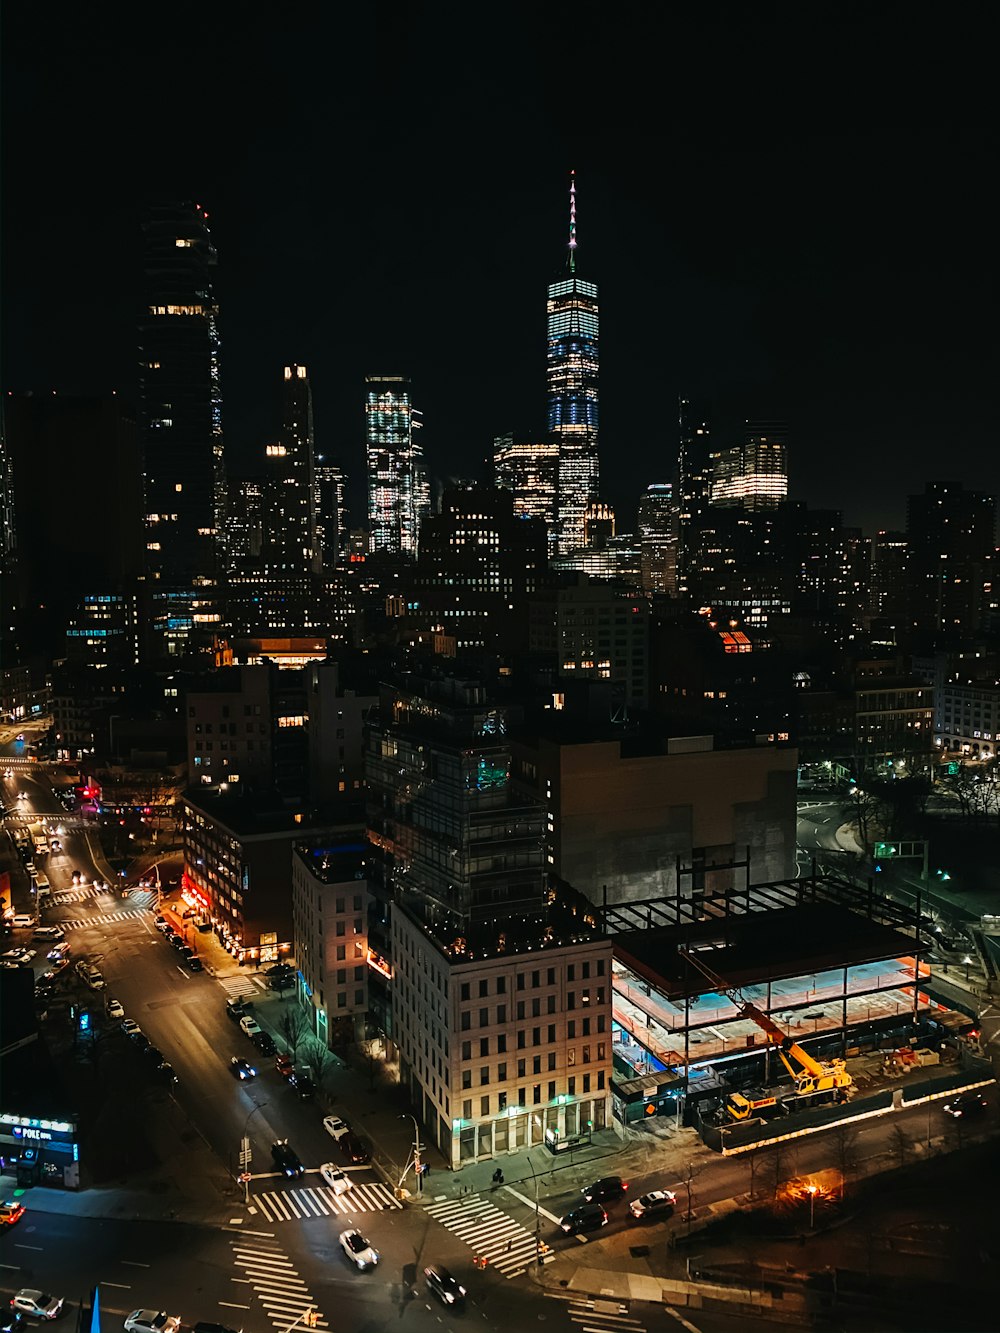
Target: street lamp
<point x="246" y="1156"/>
<point x="812" y="1205"/>
<point x="968" y="963"/>
<point x="417" y="1147"/>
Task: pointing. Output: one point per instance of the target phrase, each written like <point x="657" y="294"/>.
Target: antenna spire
<point x="572" y="222"/>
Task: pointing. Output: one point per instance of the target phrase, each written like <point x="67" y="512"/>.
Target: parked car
<point x="195" y="964"/>
<point x="358" y="1249"/>
<point x="283" y="1064"/>
<point x="605" y="1190"/>
<point x="339" y="1181"/>
<point x="165" y="1073"/>
<point x="241" y="1069"/>
<point x="657" y="1203"/>
<point x="130" y="1027"/>
<point x="444" y="1285"/>
<point x="249" y="1025"/>
<point x="264" y="1043"/>
<point x="154" y="1055"/>
<point x="139" y="1039"/>
<point x="151" y="1321"/>
<point x="302" y="1084"/>
<point x="114" y="1008"/>
<point x="36" y="1304"/>
<point x="354" y="1149"/>
<point x="336" y="1127"/>
<point x="53" y="933"/>
<point x="286" y="1159"/>
<point x="236" y="1009"/>
<point x="588" y="1217"/>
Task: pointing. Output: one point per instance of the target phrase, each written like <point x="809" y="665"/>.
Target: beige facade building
<point x="507" y="1047"/>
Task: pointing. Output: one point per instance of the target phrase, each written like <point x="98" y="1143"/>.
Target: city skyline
<point x="842" y="295"/>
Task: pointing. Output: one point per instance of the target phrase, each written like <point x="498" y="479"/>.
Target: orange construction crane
<point x="810" y="1076"/>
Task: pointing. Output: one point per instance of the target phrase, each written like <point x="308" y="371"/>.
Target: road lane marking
<point x="544" y="1211"/>
<point x="125" y="1286"/>
<point x="231" y="1305"/>
<point x="134" y="1263"/>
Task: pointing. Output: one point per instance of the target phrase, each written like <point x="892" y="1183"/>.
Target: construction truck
<point x="815" y="1081"/>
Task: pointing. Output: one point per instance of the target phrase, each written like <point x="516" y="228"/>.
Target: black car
<point x="141" y="1040"/>
<point x="215" y="1328"/>
<point x="236" y="1009"/>
<point x="165" y="1073"/>
<point x="264" y="1043"/>
<point x="154" y="1055"/>
<point x="354" y="1149"/>
<point x="444" y="1285"/>
<point x="278" y="970"/>
<point x="176" y="942"/>
<point x="286" y="1159"/>
<point x="605" y="1190"/>
<point x="241" y="1069"/>
<point x="966" y="1104"/>
<point x="195" y="964"/>
<point x="283" y="981"/>
<point x="588" y="1217"/>
<point x="302" y="1084"/>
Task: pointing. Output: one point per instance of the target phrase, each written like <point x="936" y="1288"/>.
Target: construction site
<point x="768" y="1010"/>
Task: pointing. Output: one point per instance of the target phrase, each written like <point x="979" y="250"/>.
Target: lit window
<point x="182" y="244"/>
<point x="178" y="486"/>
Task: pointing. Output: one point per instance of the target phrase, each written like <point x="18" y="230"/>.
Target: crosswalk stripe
<point x="80" y="923"/>
<point x="307" y="1201"/>
<point x="489" y="1231"/>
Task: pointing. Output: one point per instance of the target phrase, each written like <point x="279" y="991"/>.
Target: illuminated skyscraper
<point x="530" y="472"/>
<point x="658" y="528"/>
<point x="572" y="390"/>
<point x="331" y="509"/>
<point x="752" y="475"/>
<point x="390" y="420"/>
<point x="297" y="524"/>
<point x="692" y="478"/>
<point x="180" y="429"/>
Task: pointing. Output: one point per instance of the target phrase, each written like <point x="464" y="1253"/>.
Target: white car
<point x="339" y="1181"/>
<point x="49" y="933"/>
<point x="115" y="1008"/>
<point x="358" y="1249"/>
<point x="151" y="1321"/>
<point x="95" y="979"/>
<point x="36" y="1304"/>
<point x="336" y="1127"/>
<point x="129" y="1026"/>
<point x="249" y="1025"/>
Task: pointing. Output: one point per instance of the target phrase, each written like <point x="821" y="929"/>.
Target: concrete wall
<point x="622" y="822"/>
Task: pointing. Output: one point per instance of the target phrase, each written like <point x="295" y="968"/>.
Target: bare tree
<point x="318" y="1061"/>
<point x="754" y="1158"/>
<point x="687" y="1180"/>
<point x="901" y="1145"/>
<point x="844" y="1149"/>
<point x="780" y="1164"/>
<point x="292" y="1026"/>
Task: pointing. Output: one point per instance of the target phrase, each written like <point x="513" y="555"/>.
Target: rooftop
<point x="564" y="918"/>
<point x="333" y="862"/>
<point x="757" y="947"/>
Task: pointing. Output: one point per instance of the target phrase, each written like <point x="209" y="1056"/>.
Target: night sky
<point x="788" y="210"/>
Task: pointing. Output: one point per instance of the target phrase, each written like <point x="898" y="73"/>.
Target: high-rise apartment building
<point x="658" y="539"/>
<point x="499" y="986"/>
<point x="889" y="578"/>
<point x="530" y="471"/>
<point x="293" y="521"/>
<point x="754" y="474"/>
<point x="392" y="510"/>
<point x="76" y="507"/>
<point x="573" y="391"/>
<point x="180" y="429"/>
<point x="693" y="475"/>
<point x="331" y="513"/>
<point x="951" y="533"/>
